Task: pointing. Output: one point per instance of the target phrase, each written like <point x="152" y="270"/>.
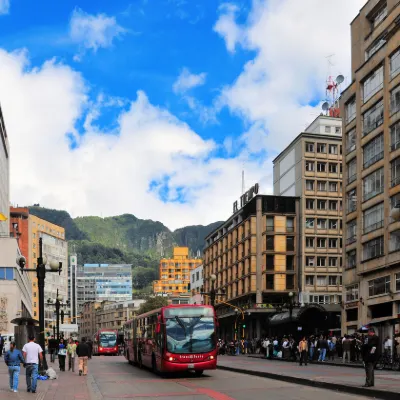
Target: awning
<point x="24" y="321"/>
<point x="284" y="317"/>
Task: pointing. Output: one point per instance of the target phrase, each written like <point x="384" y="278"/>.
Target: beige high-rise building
<point x="311" y="168"/>
<point x="371" y="142"/>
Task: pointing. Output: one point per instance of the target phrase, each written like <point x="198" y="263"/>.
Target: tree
<point x="152" y="303"/>
<point x="142" y="277"/>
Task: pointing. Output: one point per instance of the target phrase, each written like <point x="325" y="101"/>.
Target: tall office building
<point x="4" y="179"/>
<point x="72" y="286"/>
<point x="311" y="168"/>
<point x="371" y="142"/>
<point x="175" y="272"/>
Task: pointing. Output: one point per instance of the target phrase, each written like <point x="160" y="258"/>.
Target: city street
<point x="113" y="378"/>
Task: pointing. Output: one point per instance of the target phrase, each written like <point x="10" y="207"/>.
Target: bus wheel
<point x="199" y="372"/>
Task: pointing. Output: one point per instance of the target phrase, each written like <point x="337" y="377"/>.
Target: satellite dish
<point x="339" y="79"/>
<point x="325" y="106"/>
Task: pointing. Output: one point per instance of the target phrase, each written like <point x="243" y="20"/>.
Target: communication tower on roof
<point x="332" y="92"/>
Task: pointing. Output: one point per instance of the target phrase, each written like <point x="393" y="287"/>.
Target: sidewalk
<point x="345" y="379"/>
<point x="67" y="386"/>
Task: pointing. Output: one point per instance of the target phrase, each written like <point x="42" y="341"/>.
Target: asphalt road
<point x="113" y="378"/>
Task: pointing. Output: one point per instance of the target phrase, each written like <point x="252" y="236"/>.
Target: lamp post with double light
<point x="58" y="304"/>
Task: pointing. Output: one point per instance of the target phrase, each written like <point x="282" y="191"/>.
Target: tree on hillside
<point x="142" y="277"/>
<point x="152" y="303"/>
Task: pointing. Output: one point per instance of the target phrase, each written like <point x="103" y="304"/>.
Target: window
<point x="321" y="243"/>
<point x="269" y="282"/>
<point x="372" y="118"/>
<point x="394" y="242"/>
<point x="395" y="100"/>
<point x="395" y="170"/>
<point x="321" y="280"/>
<point x="373" y="248"/>
<point x="321" y="262"/>
<point x="394" y="201"/>
<point x="289" y="224"/>
<point x="351" y="140"/>
<point x="289" y="282"/>
<point x="270" y="224"/>
<point x="395" y="136"/>
<point x="289" y="263"/>
<point x="321" y="167"/>
<point x="333" y="261"/>
<point x="373" y="151"/>
<point x="350" y="110"/>
<point x="375" y="46"/>
<point x="333" y="168"/>
<point x="395" y="64"/>
<point x="289" y="243"/>
<point x="373" y="84"/>
<point x="310" y="280"/>
<point x="351" y="170"/>
<point x="378" y="15"/>
<point x="351" y="235"/>
<point x="373" y="218"/>
<point x="270" y="263"/>
<point x="373" y="184"/>
<point x="321" y="204"/>
<point x="327" y="129"/>
<point x="309" y="223"/>
<point x="351" y="259"/>
<point x="270" y="242"/>
<point x="309" y="242"/>
<point x="352" y="293"/>
<point x="333" y="224"/>
<point x="338" y="130"/>
<point x="310" y="147"/>
<point x="333" y="205"/>
<point x="333" y="280"/>
<point x="321" y="223"/>
<point x="379" y="286"/>
<point x="310" y="166"/>
<point x="332" y="243"/>
<point x="309" y="204"/>
<point x="397" y="282"/>
<point x="6" y="273"/>
<point x="333" y="186"/>
<point x="333" y="149"/>
<point x="309" y="185"/>
<point x="321" y="186"/>
<point x="310" y="261"/>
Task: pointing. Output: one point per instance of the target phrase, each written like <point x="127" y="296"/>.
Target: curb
<point x="378" y="394"/>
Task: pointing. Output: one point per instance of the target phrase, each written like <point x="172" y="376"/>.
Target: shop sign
<point x="245" y="198"/>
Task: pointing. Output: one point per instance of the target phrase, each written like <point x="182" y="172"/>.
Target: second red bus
<point x="105" y="342"/>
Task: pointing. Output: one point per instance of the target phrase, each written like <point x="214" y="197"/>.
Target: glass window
<point x="321" y="262"/>
<point x="332" y="243"/>
<point x="351" y="140"/>
<point x="309" y="185"/>
<point x="395" y="136"/>
<point x="373" y="218"/>
<point x="289" y="282"/>
<point x="270" y="242"/>
<point x="373" y="84"/>
<point x="395" y="170"/>
<point x="379" y="286"/>
<point x="338" y="130"/>
<point x="395" y="100"/>
<point x="372" y="118"/>
<point x="351" y="201"/>
<point x="309" y="242"/>
<point x="373" y="184"/>
<point x="395" y="64"/>
<point x="321" y="280"/>
<point x="270" y="224"/>
<point x="321" y="243"/>
<point x="333" y="261"/>
<point x="373" y="151"/>
<point x="333" y="205"/>
<point x="310" y="147"/>
<point x="321" y="186"/>
<point x="375" y="46"/>
<point x="310" y="261"/>
<point x="321" y="167"/>
<point x="394" y="201"/>
<point x="333" y="186"/>
<point x="309" y="204"/>
<point x="321" y="223"/>
<point x="352" y="170"/>
<point x="394" y="243"/>
<point x="350" y="110"/>
<point x="333" y="280"/>
<point x="351" y="234"/>
<point x="333" y="168"/>
<point x="378" y="15"/>
<point x="309" y="223"/>
<point x="310" y="166"/>
<point x="397" y="282"/>
<point x="269" y="282"/>
<point x="333" y="224"/>
<point x="352" y="293"/>
<point x="289" y="263"/>
<point x="289" y="243"/>
<point x="351" y="259"/>
<point x="289" y="224"/>
<point x="310" y="280"/>
<point x="321" y="204"/>
<point x="373" y="248"/>
<point x="270" y="263"/>
<point x="333" y="149"/>
<point x="321" y="148"/>
<point x="327" y="129"/>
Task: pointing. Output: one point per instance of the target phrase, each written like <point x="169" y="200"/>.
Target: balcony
<point x="373" y="227"/>
<point x="373" y="160"/>
<point x="351" y="240"/>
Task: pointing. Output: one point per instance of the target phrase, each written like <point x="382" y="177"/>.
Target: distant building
<point x="4" y="180"/>
<point x="87" y="321"/>
<point x="72" y="286"/>
<point x="175" y="273"/>
<point x="196" y="285"/>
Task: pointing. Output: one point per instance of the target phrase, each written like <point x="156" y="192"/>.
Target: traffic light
<point x="244" y="326"/>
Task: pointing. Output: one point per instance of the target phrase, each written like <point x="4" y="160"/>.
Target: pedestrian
<point x="13" y="359"/>
<point x="90" y="344"/>
<point x="83" y="351"/>
<point x="322" y="347"/>
<point x="71" y="351"/>
<point x="33" y="354"/>
<point x="303" y="351"/>
<point x="62" y="354"/>
<point x="52" y="345"/>
<point x="346" y="348"/>
<point x="371" y="353"/>
<point x="387" y="346"/>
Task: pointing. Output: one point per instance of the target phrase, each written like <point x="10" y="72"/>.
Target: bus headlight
<point x="211" y="357"/>
<point x="171" y="359"/>
<point x="100" y="348"/>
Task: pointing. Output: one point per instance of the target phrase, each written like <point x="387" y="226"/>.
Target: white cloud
<point x="93" y="31"/>
<point x="290" y="67"/>
<point x="110" y="174"/>
<point x="4" y="6"/>
<point x="186" y="81"/>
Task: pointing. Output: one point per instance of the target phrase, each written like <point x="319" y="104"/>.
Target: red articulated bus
<point x="105" y="342"/>
<point x="174" y="338"/>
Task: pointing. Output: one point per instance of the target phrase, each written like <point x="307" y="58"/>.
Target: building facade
<point x="72" y="286"/>
<point x="87" y="321"/>
<point x="371" y="142"/>
<point x="175" y="273"/>
<point x="197" y="285"/>
<point x="4" y="179"/>
<point x="311" y="168"/>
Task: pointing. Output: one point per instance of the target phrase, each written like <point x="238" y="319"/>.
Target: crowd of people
<point x="31" y="358"/>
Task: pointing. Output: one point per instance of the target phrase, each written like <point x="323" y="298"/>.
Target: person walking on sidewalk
<point x="13" y="359"/>
<point x="90" y="344"/>
<point x="83" y="351"/>
<point x="33" y="353"/>
<point x="52" y="345"/>
<point x="303" y="350"/>
<point x="346" y="348"/>
<point x="322" y="347"/>
<point x="62" y="354"/>
<point x="371" y="353"/>
<point x="71" y="351"/>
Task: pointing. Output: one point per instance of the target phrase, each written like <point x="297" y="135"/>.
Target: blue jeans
<point x="13" y="371"/>
<point x="311" y="353"/>
<point x="31" y="376"/>
<point x="322" y="354"/>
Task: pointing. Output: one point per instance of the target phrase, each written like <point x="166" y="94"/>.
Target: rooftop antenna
<point x="332" y="91"/>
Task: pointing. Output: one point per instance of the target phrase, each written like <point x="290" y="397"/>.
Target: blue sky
<point x="154" y="107"/>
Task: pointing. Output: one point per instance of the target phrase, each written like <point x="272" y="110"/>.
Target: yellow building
<point x="175" y="272"/>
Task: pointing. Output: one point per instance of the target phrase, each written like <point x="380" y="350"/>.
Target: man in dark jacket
<point x="53" y="346"/>
<point x="82" y="350"/>
<point x="90" y="344"/>
<point x="371" y="353"/>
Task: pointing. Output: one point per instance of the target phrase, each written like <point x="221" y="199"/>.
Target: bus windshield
<point x="190" y="334"/>
<point x="108" y="339"/>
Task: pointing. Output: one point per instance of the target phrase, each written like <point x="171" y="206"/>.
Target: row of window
<point x="323" y="243"/>
<point x="323" y="186"/>
<point x="270" y="243"/>
<point x="320" y="204"/>
<point x="270" y="263"/>
<point x="322" y="148"/>
<point x="323" y="280"/>
<point x="332" y="168"/>
<point x="270" y="224"/>
<point x="323" y="223"/>
<point x="270" y="282"/>
<point x="312" y="261"/>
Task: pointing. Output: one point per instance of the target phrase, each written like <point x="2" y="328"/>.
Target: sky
<point x="154" y="107"/>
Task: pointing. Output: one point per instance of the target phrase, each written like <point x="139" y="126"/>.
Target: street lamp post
<point x="41" y="276"/>
<point x="58" y="304"/>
